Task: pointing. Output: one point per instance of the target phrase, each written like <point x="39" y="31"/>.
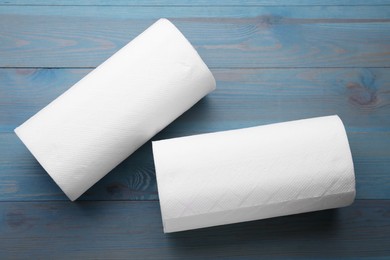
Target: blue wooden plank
<point x="271" y="36"/>
<point x="244" y="97"/>
<point x="22" y="178"/>
<point x="133" y="230"/>
<point x="197" y="3"/>
<point x="356" y="12"/>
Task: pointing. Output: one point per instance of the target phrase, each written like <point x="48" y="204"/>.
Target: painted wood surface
<point x="273" y="60"/>
<point x="244" y="97"/>
<point x="225" y="36"/>
<point x="112" y="230"/>
<point x="24" y="179"/>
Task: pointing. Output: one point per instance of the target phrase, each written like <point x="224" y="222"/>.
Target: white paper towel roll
<point x="253" y="173"/>
<point x="111" y="112"/>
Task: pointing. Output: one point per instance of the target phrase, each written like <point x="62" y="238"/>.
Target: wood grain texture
<point x="226" y="36"/>
<point x="22" y="178"/>
<point x="111" y="230"/>
<point x="244" y="97"/>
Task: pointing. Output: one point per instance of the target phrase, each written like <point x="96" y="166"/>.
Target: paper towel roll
<point x="253" y="173"/>
<point x="111" y="112"/>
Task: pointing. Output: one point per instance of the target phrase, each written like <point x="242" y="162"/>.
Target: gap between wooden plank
<point x="196" y="3"/>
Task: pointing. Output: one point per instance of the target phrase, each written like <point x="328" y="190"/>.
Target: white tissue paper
<point x="253" y="173"/>
<point x="111" y="112"/>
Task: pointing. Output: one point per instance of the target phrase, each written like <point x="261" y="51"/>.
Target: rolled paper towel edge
<point x="195" y="52"/>
<point x="19" y="135"/>
<point x="206" y="69"/>
<point x="170" y="225"/>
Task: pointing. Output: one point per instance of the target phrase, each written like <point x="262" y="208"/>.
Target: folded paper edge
<point x="158" y="190"/>
<point x="349" y="150"/>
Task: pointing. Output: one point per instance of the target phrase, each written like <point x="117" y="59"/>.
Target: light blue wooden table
<point x="273" y="60"/>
